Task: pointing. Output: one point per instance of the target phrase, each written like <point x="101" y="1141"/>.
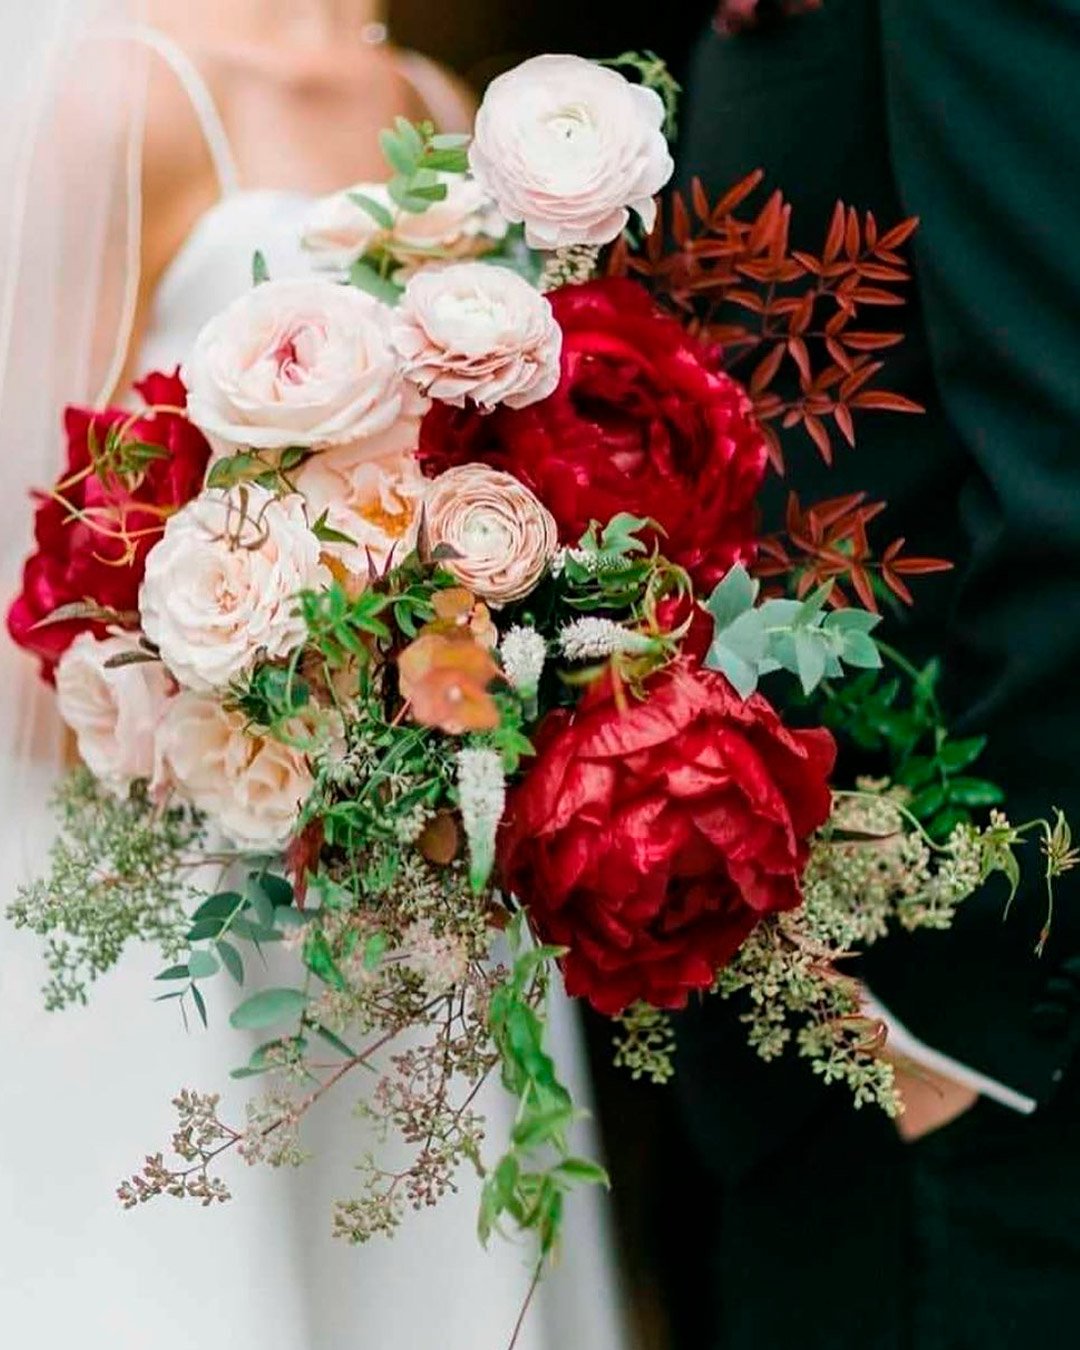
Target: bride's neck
<point x="325" y="21"/>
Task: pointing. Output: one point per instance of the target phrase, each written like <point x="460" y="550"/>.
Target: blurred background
<point x="479" y="38"/>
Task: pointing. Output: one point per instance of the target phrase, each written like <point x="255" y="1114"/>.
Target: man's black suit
<point x="789" y="1220"/>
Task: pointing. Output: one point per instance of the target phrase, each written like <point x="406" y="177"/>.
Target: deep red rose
<point x="80" y="557"/>
<point x="650" y="842"/>
<point x="643" y="421"/>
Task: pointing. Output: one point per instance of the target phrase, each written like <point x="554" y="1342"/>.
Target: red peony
<point x="642" y="421"/>
<point x="650" y="842"/>
<point x="82" y="557"/>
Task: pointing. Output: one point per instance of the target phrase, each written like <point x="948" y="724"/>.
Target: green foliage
<point x="898" y="717"/>
<point x="116" y="875"/>
<point x="417" y="155"/>
<point x="530" y="1181"/>
<point x="266" y="469"/>
<point x="120" y="456"/>
<point x="368" y="278"/>
<point x="613" y="570"/>
<point x="259" y="270"/>
<point x="799" y="636"/>
<point x="267" y="1007"/>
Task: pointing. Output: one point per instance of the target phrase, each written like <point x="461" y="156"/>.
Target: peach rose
<point x="502" y="536"/>
<point x="474" y="331"/>
<point x="221" y="584"/>
<point x="250" y="786"/>
<point x="113" y="710"/>
<point x="570" y="148"/>
<point x="375" y="502"/>
<point x="298" y="362"/>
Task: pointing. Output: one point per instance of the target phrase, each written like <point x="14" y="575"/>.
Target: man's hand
<point x="930" y="1101"/>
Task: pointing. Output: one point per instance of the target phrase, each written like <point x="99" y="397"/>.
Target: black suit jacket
<point x="955" y="112"/>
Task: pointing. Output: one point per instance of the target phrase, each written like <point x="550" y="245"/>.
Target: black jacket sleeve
<point x="957" y="114"/>
<point x="984" y="149"/>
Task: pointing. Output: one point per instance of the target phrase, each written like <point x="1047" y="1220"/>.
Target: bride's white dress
<point x="86" y="1092"/>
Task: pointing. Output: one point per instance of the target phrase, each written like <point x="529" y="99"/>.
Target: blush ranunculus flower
<point x="250" y="786"/>
<point x="570" y="148"/>
<point x="475" y="332"/>
<point x="375" y="501"/>
<point x="502" y="537"/>
<point x="300" y="362"/>
<point x="114" y="711"/>
<point x="465" y="224"/>
<point x="92" y="544"/>
<point x="642" y="421"/>
<point x="220" y="588"/>
<point x="650" y="841"/>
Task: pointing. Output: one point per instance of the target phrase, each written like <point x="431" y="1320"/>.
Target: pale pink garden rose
<point x="296" y="363"/>
<point x="374" y="500"/>
<point x="501" y="535"/>
<point x="478" y="332"/>
<point x="250" y="786"/>
<point x="114" y="711"/>
<point x="570" y="148"/>
<point x="465" y="224"/>
<point x="220" y="585"/>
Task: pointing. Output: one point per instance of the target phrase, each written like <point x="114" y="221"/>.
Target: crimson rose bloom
<point x="81" y="557"/>
<point x="650" y="842"/>
<point x="642" y="421"/>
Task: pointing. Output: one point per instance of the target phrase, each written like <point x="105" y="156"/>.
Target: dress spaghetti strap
<point x="202" y="101"/>
<point x="448" y="103"/>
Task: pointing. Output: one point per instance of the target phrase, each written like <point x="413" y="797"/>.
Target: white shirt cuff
<point x="902" y="1042"/>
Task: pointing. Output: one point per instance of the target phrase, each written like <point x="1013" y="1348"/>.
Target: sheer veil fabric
<point x="72" y="95"/>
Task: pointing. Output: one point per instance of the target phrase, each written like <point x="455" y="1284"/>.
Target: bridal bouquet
<point x="424" y="627"/>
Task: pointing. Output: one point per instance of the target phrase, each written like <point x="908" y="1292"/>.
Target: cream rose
<point x="474" y="331"/>
<point x="570" y="147"/>
<point x="113" y="710"/>
<point x="251" y="787"/>
<point x="464" y="224"/>
<point x="375" y="501"/>
<point x="220" y="585"/>
<point x="295" y="363"/>
<point x="503" y="537"/>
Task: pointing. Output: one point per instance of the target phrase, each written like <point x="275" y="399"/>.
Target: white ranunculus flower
<point x="295" y="363"/>
<point x="464" y="224"/>
<point x="570" y="148"/>
<point x="113" y="711"/>
<point x="474" y="331"/>
<point x="220" y="585"/>
<point x="375" y="501"/>
<point x="252" y="787"/>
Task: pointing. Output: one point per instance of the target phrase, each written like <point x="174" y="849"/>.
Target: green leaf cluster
<point x="262" y="913"/>
<point x="530" y="1181"/>
<point x="417" y="156"/>
<point x="899" y="717"/>
<point x="266" y="470"/>
<point x="799" y="636"/>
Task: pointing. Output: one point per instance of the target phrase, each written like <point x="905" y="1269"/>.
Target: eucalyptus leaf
<point x="376" y="210"/>
<point x="202" y="964"/>
<point x="365" y="278"/>
<point x="267" y="1007"/>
